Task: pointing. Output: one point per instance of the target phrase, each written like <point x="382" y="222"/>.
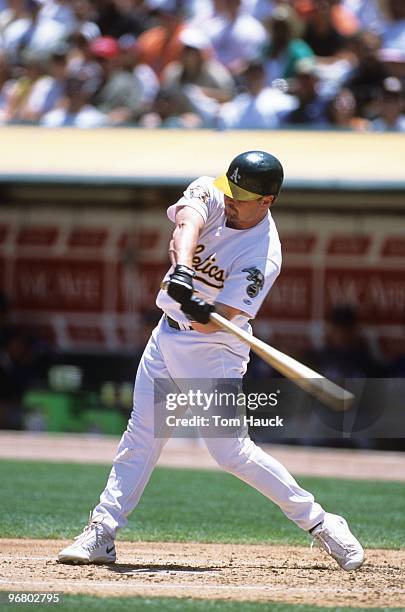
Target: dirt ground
<point x="208" y="571"/>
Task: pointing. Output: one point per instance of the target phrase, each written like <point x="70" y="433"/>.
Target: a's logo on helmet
<point x="235" y="177"/>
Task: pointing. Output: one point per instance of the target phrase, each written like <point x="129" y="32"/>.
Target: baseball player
<point x="226" y="255"/>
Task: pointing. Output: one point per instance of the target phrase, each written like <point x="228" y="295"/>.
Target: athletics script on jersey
<point x="214" y="276"/>
<point x="209" y="273"/>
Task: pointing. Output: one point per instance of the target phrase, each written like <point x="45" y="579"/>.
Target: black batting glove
<point x="180" y="286"/>
<point x="197" y="310"/>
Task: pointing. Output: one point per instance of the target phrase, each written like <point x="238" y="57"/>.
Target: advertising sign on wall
<point x="87" y="280"/>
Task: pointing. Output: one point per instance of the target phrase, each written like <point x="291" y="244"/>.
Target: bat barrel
<point x="325" y="390"/>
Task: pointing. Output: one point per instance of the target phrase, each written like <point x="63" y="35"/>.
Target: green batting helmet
<point x="252" y="175"/>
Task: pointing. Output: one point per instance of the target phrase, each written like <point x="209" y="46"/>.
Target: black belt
<point x="174" y="325"/>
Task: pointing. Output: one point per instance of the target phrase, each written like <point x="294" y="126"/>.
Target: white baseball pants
<point x="173" y="354"/>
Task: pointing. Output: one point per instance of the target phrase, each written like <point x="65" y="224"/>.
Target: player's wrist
<point x="180" y="286"/>
<point x="184" y="269"/>
<point x="197" y="310"/>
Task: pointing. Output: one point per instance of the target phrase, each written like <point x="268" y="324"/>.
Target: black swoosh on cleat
<point x="108" y="550"/>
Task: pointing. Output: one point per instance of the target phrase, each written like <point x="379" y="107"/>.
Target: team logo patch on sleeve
<point x="200" y="193"/>
<point x="256" y="279"/>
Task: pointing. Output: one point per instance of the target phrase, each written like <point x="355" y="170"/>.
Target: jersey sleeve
<point x="247" y="285"/>
<point x="198" y="195"/>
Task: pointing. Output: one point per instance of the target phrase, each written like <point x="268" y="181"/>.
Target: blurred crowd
<point x="225" y="64"/>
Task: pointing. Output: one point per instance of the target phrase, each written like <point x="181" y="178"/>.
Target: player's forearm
<point x="183" y="244"/>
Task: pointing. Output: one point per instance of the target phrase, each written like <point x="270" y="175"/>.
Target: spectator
<point x="61" y="11"/>
<point x="393" y="36"/>
<point x="312" y="106"/>
<point x="368" y="13"/>
<point x="119" y="96"/>
<point x="170" y="110"/>
<point x="259" y="107"/>
<point x="37" y="26"/>
<point x="199" y="11"/>
<point x="80" y="54"/>
<point x="393" y="62"/>
<point x="203" y="81"/>
<point x="76" y="111"/>
<point x="391" y="117"/>
<point x="50" y="25"/>
<point x="366" y="78"/>
<point x="236" y="37"/>
<point x="5" y="75"/>
<point x="48" y="90"/>
<point x="144" y="76"/>
<point x="161" y="45"/>
<point x="17" y="24"/>
<point x="85" y="15"/>
<point x="285" y="50"/>
<point x="119" y="17"/>
<point x="260" y="9"/>
<point x="321" y="32"/>
<point x="7" y="12"/>
<point x="341" y="113"/>
<point x="18" y="90"/>
<point x="198" y="67"/>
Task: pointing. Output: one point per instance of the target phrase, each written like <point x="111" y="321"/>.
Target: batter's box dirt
<point x="209" y="571"/>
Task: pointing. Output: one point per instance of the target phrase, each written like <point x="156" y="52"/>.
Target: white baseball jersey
<point x="237" y="268"/>
<point x="233" y="267"/>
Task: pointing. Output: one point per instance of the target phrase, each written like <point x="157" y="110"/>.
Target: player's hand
<point x="180" y="286"/>
<point x="197" y="310"/>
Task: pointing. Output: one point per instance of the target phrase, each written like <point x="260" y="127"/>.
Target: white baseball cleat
<point x="334" y="536"/>
<point x="93" y="545"/>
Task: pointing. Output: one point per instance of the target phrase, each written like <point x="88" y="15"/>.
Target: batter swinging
<point x="225" y="251"/>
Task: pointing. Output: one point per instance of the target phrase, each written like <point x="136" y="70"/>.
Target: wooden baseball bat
<point x="314" y="383"/>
